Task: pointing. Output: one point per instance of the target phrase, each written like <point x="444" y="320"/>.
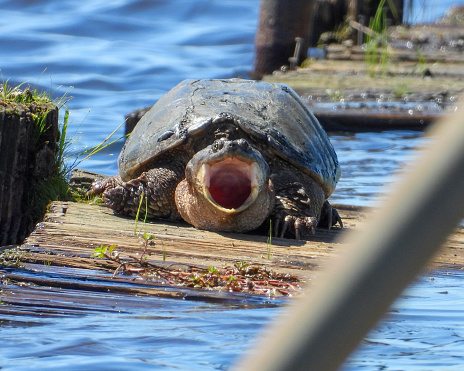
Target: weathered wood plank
<point x="71" y="231"/>
<point x="83" y="227"/>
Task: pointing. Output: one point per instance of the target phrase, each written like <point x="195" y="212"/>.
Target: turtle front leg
<point x="152" y="193"/>
<point x="294" y="215"/>
<point x="299" y="200"/>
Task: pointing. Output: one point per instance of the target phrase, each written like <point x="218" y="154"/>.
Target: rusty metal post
<point x="295" y="60"/>
<point x="378" y="262"/>
<point x="280" y="23"/>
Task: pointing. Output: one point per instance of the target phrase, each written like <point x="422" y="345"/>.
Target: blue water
<point x="115" y="56"/>
<point x="132" y="334"/>
<point x="424" y="330"/>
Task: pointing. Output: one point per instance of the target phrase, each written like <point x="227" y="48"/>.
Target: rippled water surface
<point x="370" y="162"/>
<point x="424" y="330"/>
<point x="116" y="56"/>
<point x="131" y="333"/>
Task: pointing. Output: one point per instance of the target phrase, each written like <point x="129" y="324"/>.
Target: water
<point x="115" y="56"/>
<point x="370" y="162"/>
<point x="423" y="331"/>
<point x="129" y="333"/>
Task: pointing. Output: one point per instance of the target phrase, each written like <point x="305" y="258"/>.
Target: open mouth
<point x="231" y="183"/>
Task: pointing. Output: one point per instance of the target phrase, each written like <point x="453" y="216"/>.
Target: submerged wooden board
<point x="400" y="97"/>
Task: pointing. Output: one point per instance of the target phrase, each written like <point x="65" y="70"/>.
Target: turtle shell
<point x="272" y="114"/>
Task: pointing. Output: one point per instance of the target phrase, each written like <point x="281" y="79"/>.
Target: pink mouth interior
<point x="229" y="186"/>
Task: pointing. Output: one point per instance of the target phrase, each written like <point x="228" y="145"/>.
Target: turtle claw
<point x="118" y="195"/>
<point x="296" y="225"/>
<point x="329" y="216"/>
<point x="101" y="186"/>
<point x="284" y="228"/>
<point x="336" y="217"/>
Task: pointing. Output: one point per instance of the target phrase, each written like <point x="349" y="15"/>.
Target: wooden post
<point x="28" y="156"/>
<point x="280" y="23"/>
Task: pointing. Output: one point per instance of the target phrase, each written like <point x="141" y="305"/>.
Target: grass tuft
<point x="376" y="56"/>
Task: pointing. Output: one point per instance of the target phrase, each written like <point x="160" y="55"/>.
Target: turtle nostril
<point x="242" y="143"/>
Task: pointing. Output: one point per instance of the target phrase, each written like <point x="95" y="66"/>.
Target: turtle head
<point x="226" y="188"/>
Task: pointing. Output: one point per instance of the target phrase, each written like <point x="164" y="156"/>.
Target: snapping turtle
<point x="226" y="155"/>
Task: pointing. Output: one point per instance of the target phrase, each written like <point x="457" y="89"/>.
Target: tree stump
<point x="28" y="160"/>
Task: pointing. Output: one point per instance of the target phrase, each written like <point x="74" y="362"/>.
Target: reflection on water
<point x="116" y="56"/>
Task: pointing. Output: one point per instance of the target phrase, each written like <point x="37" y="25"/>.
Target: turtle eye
<point x="218" y="145"/>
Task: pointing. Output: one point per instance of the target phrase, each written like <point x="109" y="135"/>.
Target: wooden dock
<point x="180" y="260"/>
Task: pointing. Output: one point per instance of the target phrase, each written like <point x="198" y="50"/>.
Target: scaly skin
<point x="299" y="200"/>
<point x="157" y="186"/>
